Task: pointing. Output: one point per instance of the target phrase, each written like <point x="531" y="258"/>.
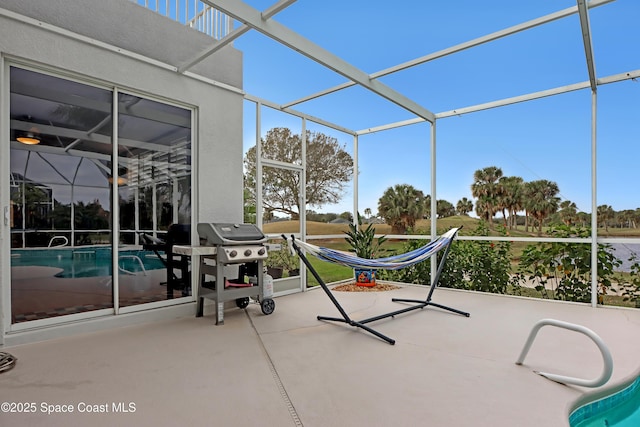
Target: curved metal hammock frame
<point x="394" y="262"/>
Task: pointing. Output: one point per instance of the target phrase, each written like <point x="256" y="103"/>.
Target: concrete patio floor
<point x="290" y="369"/>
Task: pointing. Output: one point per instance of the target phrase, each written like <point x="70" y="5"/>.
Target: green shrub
<point x="631" y="290"/>
<point x="562" y="271"/>
<point x="472" y="265"/>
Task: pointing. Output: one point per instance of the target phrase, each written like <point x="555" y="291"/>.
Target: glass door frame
<point x="301" y="170"/>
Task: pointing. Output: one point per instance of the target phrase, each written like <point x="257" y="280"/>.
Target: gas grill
<point x="236" y="242"/>
<point x="235" y="269"/>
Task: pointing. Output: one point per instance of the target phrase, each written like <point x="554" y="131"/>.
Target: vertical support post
<point x="136" y="212"/>
<point x="302" y="191"/>
<point x="355" y="180"/>
<point x="259" y="212"/>
<point x="434" y="202"/>
<point x="5" y="232"/>
<point x="594" y="203"/>
<point x="115" y="208"/>
<point x="303" y="202"/>
<point x="175" y="200"/>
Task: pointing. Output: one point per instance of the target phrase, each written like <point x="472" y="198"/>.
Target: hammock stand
<point x="419" y="304"/>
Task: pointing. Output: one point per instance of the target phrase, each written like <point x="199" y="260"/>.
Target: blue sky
<point x="549" y="138"/>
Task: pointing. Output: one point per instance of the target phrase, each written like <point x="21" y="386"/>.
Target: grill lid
<point x="230" y="234"/>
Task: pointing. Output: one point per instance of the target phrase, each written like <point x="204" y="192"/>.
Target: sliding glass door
<point x="154" y="189"/>
<point x="65" y="171"/>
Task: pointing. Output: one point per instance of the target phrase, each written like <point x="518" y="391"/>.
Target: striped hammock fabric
<point x="395" y="262"/>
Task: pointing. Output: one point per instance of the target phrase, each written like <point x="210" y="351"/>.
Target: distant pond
<point x="623" y="251"/>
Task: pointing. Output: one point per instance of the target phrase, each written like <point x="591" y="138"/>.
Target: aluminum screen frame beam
<point x="586" y="40"/>
<point x="629" y="75"/>
<point x="274" y="30"/>
<point x="219" y="44"/>
<point x="460" y="47"/>
<point x="317" y="120"/>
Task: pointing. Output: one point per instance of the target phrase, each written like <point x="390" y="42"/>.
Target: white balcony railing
<point x="194" y="13"/>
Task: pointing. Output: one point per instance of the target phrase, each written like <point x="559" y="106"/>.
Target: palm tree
<point x="511" y="197"/>
<point x="568" y="212"/>
<point x="541" y="200"/>
<point x="481" y="210"/>
<point x="445" y="208"/>
<point x="367" y="212"/>
<point x="426" y="212"/>
<point x="583" y="218"/>
<point x="487" y="190"/>
<point x="634" y="218"/>
<point x="605" y="213"/>
<point x="464" y="206"/>
<point x="625" y="218"/>
<point x="401" y="206"/>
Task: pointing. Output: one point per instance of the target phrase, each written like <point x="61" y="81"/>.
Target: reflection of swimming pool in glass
<point x="88" y="261"/>
<point x="621" y="409"/>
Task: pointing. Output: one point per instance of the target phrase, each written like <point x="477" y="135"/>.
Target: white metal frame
<point x="261" y="22"/>
<point x="261" y="162"/>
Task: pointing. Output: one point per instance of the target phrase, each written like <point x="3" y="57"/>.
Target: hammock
<point x="396" y="262"/>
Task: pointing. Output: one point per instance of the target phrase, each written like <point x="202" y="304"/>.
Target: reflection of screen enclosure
<point x="63" y="183"/>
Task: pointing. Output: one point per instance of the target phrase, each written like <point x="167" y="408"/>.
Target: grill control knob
<point x="233" y="253"/>
<point x="247" y="252"/>
<point x="261" y="251"/>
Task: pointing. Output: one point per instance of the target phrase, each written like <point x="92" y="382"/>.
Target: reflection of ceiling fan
<point x="30" y="137"/>
<point x="122" y="176"/>
<point x="123" y="172"/>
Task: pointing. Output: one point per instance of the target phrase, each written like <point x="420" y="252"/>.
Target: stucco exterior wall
<point x="129" y="26"/>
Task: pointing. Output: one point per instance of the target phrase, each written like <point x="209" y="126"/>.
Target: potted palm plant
<point x="365" y="245"/>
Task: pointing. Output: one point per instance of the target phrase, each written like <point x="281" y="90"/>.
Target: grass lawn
<point x="328" y="272"/>
<point x="424" y="226"/>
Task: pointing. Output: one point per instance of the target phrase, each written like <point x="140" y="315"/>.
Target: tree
<point x="346" y="215"/>
<point x="482" y="210"/>
<point x="35" y="202"/>
<point x="249" y="209"/>
<point x="568" y="212"/>
<point x="487" y="189"/>
<point x="540" y="200"/>
<point x="583" y="219"/>
<point x="629" y="218"/>
<point x="445" y="208"/>
<point x="605" y="214"/>
<point x="401" y="206"/>
<point x="320" y="217"/>
<point x="464" y="206"/>
<point x="329" y="169"/>
<point x="510" y="199"/>
<point x="426" y="210"/>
